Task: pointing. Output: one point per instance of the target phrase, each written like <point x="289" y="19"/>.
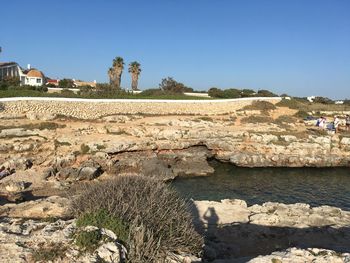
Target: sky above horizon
<point x="297" y="47"/>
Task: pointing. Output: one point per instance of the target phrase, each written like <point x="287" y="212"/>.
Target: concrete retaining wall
<point x="96" y="108"/>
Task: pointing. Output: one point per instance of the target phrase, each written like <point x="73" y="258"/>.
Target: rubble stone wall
<point x="94" y="109"/>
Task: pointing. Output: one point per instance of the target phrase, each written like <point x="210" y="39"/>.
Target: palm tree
<point x="111" y="76"/>
<point x="135" y="70"/>
<point x="118" y="66"/>
<point x="115" y="72"/>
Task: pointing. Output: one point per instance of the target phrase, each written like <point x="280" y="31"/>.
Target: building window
<point x="38" y="80"/>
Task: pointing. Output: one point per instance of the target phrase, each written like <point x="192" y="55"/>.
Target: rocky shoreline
<point x="46" y="157"/>
<point x="234" y="232"/>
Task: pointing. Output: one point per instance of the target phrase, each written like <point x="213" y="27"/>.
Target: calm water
<point x="315" y="186"/>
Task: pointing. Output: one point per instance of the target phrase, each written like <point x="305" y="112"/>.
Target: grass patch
<point x="301" y="114"/>
<point x="84" y="149"/>
<point x="100" y="147"/>
<point x="284" y="121"/>
<point x="49" y="253"/>
<point x="260" y="105"/>
<point x="103" y="219"/>
<point x="88" y="240"/>
<point x="257" y="119"/>
<point x="317" y="132"/>
<point x="58" y="143"/>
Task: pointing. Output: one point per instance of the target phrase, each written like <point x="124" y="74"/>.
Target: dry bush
<point x="260" y="105"/>
<point x="257" y="119"/>
<point x="147" y="203"/>
<point x="285" y="119"/>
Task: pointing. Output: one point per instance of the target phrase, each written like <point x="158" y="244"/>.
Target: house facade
<point x="32" y="77"/>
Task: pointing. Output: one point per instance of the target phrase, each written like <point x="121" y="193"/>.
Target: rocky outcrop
<point x="50" y="207"/>
<point x="33" y="241"/>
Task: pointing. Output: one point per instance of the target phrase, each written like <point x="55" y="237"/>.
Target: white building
<point x="32" y="77"/>
<point x="311" y="98"/>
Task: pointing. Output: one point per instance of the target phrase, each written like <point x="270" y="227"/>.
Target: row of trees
<point x="115" y="73"/>
<point x="239" y="93"/>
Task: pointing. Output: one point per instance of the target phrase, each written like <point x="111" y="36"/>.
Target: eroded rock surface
<point x="295" y="255"/>
<point x="234" y="230"/>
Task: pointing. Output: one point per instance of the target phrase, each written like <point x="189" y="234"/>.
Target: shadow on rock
<point x="244" y="241"/>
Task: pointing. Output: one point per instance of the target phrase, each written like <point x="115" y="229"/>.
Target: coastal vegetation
<point x="148" y="216"/>
<point x="324" y="104"/>
<point x="239" y="93"/>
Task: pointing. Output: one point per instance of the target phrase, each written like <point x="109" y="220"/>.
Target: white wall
<point x="33" y="81"/>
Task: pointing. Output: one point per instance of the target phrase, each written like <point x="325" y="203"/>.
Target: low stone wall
<point x="94" y="109"/>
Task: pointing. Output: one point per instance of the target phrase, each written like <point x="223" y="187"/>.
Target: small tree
<point x="9" y="82"/>
<point x="323" y="100"/>
<point x="216" y="93"/>
<point x="66" y="84"/>
<point x="247" y="93"/>
<point x="265" y="93"/>
<point x="170" y="85"/>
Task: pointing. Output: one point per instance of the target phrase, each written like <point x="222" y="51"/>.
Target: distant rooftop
<point x="7" y="63"/>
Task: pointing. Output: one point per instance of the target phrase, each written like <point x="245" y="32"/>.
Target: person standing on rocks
<point x="336" y="124"/>
<point x="347" y="122"/>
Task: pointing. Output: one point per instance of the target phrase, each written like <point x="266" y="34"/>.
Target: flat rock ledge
<point x="236" y="232"/>
<point x="299" y="215"/>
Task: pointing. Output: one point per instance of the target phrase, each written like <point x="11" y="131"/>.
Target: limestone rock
<point x="53" y="206"/>
<point x="14" y="187"/>
<point x="295" y="255"/>
<point x="40" y="116"/>
<point x="221" y="213"/>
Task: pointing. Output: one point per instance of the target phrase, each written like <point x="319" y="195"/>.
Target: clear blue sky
<point x="300" y="47"/>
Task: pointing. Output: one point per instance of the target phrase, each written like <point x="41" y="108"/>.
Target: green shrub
<point x="216" y="93"/>
<point x="260" y="105"/>
<point x="49" y="252"/>
<point x="323" y="100"/>
<point x="257" y="119"/>
<point x="301" y="114"/>
<point x="292" y="103"/>
<point x="248" y="93"/>
<point x="265" y="93"/>
<point x="171" y="85"/>
<point x="88" y="240"/>
<point x="103" y="219"/>
<point x="142" y="202"/>
<point x="84" y="149"/>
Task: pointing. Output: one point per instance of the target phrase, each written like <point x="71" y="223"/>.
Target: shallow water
<point x="315" y="186"/>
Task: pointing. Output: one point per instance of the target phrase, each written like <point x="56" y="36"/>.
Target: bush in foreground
<point x="158" y="221"/>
